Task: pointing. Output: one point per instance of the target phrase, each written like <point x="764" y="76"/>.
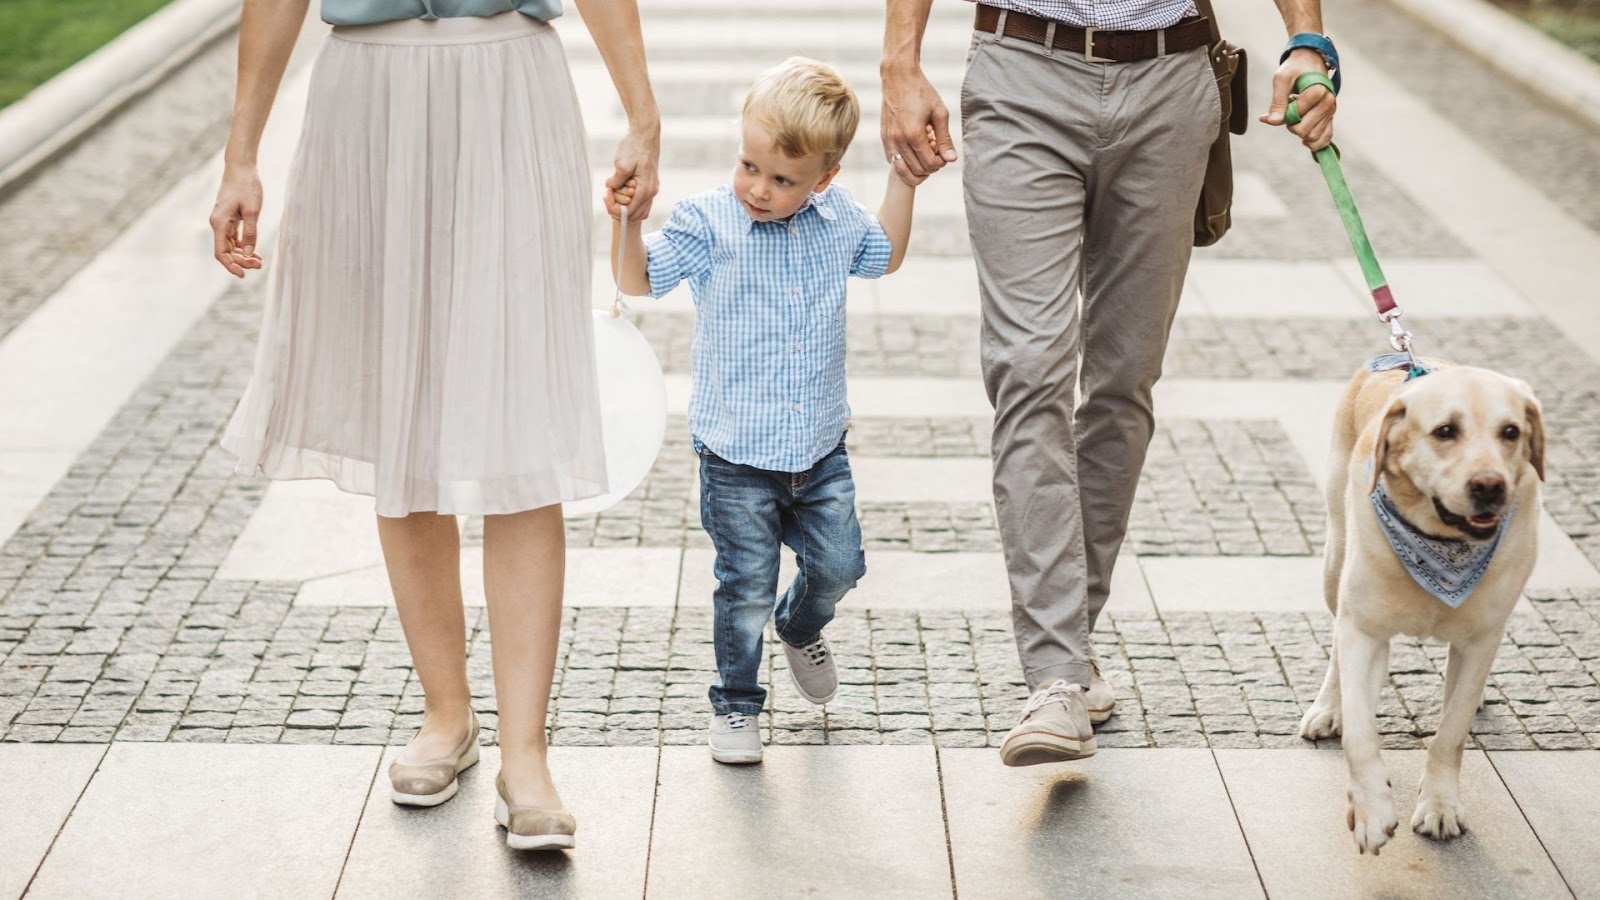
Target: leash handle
<point x="618" y="304"/>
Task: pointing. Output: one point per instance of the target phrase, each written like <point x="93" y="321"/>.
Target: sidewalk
<point x="167" y="628"/>
<point x="201" y="820"/>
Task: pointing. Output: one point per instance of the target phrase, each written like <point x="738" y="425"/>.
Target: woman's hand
<point x="234" y="218"/>
<point x="638" y="156"/>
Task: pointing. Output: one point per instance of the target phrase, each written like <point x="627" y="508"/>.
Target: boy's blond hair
<point x="807" y="108"/>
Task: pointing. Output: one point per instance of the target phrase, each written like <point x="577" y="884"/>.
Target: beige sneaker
<point x="1099" y="697"/>
<point x="1054" y="728"/>
<point x="433" y="782"/>
<point x="531" y="827"/>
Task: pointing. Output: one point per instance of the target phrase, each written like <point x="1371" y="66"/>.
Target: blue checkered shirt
<point x="769" y="329"/>
<point x="1118" y="15"/>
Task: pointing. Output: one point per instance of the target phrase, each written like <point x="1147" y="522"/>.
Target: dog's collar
<point x="1385" y="362"/>
<point x="1448" y="568"/>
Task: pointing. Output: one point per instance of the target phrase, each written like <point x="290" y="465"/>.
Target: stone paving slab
<point x="190" y="821"/>
<point x="900" y="821"/>
<point x="1291" y="807"/>
<point x="457" y="850"/>
<point x="43" y="783"/>
<point x="1555" y="791"/>
<point x="1091" y="828"/>
<point x="807" y="822"/>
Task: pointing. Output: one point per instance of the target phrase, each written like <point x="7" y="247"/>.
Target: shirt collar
<point x="822" y="202"/>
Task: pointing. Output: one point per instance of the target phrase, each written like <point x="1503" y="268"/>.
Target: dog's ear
<point x="1392" y="416"/>
<point x="1535" y="414"/>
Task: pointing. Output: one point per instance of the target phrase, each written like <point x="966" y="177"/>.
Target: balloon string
<point x="619" y="305"/>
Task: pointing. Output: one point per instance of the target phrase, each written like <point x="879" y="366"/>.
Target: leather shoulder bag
<point x="1213" y="214"/>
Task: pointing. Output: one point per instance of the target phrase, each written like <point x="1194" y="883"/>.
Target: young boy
<point x="767" y="258"/>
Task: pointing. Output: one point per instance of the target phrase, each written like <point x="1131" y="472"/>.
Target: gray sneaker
<point x="815" y="676"/>
<point x="1054" y="728"/>
<point x="1100" y="699"/>
<point x="735" y="739"/>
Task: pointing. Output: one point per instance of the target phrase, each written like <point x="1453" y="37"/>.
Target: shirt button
<point x="797" y="289"/>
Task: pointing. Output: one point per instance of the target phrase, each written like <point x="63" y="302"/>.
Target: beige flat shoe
<point x="432" y="783"/>
<point x="532" y="828"/>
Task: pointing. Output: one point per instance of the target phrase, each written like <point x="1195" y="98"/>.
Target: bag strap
<point x="1205" y="9"/>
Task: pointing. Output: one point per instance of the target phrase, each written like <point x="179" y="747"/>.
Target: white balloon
<point x="633" y="408"/>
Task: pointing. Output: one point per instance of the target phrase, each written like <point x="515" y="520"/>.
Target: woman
<point x="427" y="334"/>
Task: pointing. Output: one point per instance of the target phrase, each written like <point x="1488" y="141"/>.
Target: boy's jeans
<point x="749" y="513"/>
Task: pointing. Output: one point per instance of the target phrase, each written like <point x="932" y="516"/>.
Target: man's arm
<point x="1317" y="106"/>
<point x="910" y="104"/>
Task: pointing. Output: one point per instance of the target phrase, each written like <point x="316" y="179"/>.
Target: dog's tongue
<point x="1483" y="521"/>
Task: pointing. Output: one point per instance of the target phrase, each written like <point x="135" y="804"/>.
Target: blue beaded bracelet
<point x="1323" y="46"/>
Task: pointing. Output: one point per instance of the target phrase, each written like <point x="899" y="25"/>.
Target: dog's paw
<point x="1438" y="819"/>
<point x="1320" y="722"/>
<point x="1371" y="817"/>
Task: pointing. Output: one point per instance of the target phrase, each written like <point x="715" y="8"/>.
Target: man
<point x="1087" y="125"/>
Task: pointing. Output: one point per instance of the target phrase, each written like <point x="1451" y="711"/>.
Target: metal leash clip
<point x="1400" y="338"/>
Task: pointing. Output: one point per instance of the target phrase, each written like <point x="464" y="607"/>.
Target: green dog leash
<point x="1328" y="159"/>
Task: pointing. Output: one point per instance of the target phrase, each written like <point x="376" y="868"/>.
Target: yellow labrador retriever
<point x="1433" y="513"/>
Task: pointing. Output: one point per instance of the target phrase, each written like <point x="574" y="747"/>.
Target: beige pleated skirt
<point x="427" y="336"/>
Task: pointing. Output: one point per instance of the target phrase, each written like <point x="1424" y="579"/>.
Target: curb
<point x="1544" y="65"/>
<point x="50" y="117"/>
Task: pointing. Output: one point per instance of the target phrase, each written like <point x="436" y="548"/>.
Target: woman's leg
<point x="423" y="553"/>
<point x="524" y="569"/>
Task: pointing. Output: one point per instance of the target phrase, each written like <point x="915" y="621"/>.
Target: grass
<point x="40" y="38"/>
<point x="1575" y="23"/>
<point x="1578" y="31"/>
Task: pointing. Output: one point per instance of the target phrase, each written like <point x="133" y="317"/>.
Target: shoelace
<point x="737" y="721"/>
<point x="1057" y="692"/>
<point x="816" y="652"/>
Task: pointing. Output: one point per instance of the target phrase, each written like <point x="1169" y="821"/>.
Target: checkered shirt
<point x="1115" y="15"/>
<point x="769" y="332"/>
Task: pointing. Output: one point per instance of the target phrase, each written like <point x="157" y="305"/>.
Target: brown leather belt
<point x="1094" y="44"/>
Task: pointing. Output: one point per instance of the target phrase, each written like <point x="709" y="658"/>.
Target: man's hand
<point x="916" y="126"/>
<point x="1316" y="105"/>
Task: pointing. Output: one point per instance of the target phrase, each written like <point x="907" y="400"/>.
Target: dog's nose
<point x="1487" y="488"/>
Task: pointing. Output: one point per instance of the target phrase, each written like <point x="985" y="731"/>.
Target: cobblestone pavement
<point x="241" y="664"/>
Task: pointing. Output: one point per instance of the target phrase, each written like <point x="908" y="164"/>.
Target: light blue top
<point x="371" y="12"/>
<point x="769" y="329"/>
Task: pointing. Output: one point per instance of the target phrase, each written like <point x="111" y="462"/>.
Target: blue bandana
<point x="1448" y="568"/>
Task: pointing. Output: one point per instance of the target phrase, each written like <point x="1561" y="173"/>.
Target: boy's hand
<point x="623" y="196"/>
<point x="905" y="172"/>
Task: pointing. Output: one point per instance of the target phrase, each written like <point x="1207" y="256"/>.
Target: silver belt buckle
<point x="1088" y="47"/>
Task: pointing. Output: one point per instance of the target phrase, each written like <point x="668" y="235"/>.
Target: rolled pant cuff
<point x="1073" y="673"/>
<point x="798" y="644"/>
<point x="743" y="709"/>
